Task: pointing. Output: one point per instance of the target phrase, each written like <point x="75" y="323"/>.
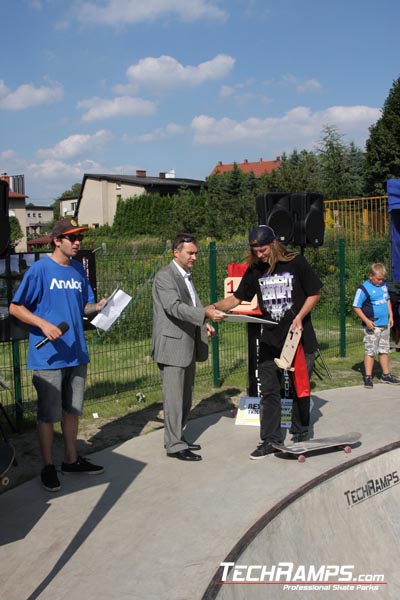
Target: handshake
<point x="214" y="314"/>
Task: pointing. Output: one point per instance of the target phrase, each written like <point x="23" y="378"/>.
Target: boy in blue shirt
<point x="52" y="299"/>
<point x="372" y="304"/>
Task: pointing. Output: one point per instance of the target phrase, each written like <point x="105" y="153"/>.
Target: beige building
<point x="68" y="207"/>
<point x="97" y="202"/>
<point x="16" y="205"/>
<point x="37" y="217"/>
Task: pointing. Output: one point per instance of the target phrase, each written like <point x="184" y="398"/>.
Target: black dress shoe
<point x="191" y="445"/>
<point x="184" y="455"/>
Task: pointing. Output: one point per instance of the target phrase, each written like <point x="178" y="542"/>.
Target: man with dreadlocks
<point x="287" y="290"/>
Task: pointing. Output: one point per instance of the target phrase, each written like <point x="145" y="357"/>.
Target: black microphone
<point x="63" y="326"/>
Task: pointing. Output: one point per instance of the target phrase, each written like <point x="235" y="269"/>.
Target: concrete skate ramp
<point x="344" y="525"/>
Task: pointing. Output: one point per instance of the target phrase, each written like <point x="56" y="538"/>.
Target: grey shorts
<point x="377" y="340"/>
<point x="59" y="390"/>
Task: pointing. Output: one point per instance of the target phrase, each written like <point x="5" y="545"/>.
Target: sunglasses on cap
<point x="72" y="237"/>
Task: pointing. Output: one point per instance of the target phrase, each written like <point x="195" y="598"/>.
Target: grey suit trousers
<point x="177" y="392"/>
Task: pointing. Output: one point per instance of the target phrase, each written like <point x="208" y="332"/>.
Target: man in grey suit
<point x="180" y="335"/>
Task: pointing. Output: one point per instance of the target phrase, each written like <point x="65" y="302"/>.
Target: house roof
<point x="259" y="168"/>
<point x="40" y="241"/>
<point x="39" y="207"/>
<point x="15" y="195"/>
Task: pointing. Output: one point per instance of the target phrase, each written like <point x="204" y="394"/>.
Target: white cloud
<point x="151" y="136"/>
<point x="174" y="129"/>
<point x="28" y="95"/>
<point x="166" y="72"/>
<point x="301" y="86"/>
<point x="226" y="90"/>
<point x="126" y="12"/>
<point x="241" y="93"/>
<point x="11" y="163"/>
<point x="298" y="128"/>
<point x="123" y="106"/>
<point x="75" y="145"/>
<point x="310" y="85"/>
<point x="8" y="155"/>
<point x="63" y="174"/>
<point x="171" y="129"/>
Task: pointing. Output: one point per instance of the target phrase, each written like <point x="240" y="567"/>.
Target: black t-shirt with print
<point x="281" y="295"/>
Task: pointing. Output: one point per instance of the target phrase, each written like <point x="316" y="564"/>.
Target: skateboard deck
<point x="7" y="459"/>
<point x="289" y="350"/>
<point x="300" y="449"/>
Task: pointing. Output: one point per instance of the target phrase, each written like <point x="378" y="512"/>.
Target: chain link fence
<point x="121" y="363"/>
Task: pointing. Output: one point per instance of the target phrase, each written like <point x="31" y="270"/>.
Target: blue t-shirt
<point x="374" y="304"/>
<point x="56" y="293"/>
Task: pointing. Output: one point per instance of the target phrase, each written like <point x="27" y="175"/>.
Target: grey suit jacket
<point x="178" y="326"/>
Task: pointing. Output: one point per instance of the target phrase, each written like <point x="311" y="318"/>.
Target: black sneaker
<point x="81" y="465"/>
<point x="368" y="383"/>
<point x="49" y="479"/>
<point x="389" y="378"/>
<point x="262" y="450"/>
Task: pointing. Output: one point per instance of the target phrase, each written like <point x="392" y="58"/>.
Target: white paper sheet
<point x="235" y="318"/>
<point x="112" y="309"/>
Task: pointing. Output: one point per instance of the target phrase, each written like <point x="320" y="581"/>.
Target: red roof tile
<point x="259" y="168"/>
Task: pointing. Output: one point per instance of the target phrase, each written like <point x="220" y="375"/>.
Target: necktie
<point x="190" y="286"/>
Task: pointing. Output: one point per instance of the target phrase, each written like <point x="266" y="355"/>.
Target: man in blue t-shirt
<point x="52" y="299"/>
<point x="372" y="304"/>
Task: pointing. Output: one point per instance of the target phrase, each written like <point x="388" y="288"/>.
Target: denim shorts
<point x="377" y="340"/>
<point x="58" y="391"/>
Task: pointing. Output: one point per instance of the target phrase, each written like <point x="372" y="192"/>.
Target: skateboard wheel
<point x="5" y="481"/>
<point x="301" y="458"/>
<point x="347" y="449"/>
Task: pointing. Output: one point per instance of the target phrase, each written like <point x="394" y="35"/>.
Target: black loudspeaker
<point x="296" y="218"/>
<point x="308" y="216"/>
<point x="4" y="220"/>
<point x="274" y="209"/>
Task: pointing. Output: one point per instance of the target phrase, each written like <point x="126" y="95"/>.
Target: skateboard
<point x="7" y="459"/>
<point x="289" y="350"/>
<point x="344" y="441"/>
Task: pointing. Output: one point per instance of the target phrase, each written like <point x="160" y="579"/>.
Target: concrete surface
<point x="152" y="527"/>
<point x="339" y="534"/>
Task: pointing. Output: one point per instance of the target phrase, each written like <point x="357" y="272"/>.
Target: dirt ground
<point x="100" y="433"/>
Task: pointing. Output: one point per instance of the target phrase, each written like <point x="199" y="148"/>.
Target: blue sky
<point x="111" y="86"/>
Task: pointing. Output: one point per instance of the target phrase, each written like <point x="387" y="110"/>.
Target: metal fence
<point x="357" y="219"/>
<point x="121" y="363"/>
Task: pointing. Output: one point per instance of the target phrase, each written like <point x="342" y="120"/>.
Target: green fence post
<point x="342" y="298"/>
<point x="212" y="257"/>
<point x="17" y="384"/>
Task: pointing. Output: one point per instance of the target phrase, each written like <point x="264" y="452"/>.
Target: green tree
<point x="337" y="174"/>
<point x="356" y="169"/>
<point x="231" y="203"/>
<point x="382" y="159"/>
<point x="297" y="173"/>
<point x="16" y="233"/>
